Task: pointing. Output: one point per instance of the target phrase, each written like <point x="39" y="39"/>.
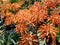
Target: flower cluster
<point x="36" y="16"/>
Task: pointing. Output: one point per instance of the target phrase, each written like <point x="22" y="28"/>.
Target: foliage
<point x="49" y="11"/>
<point x="9" y="38"/>
<point x="12" y="1"/>
<point x="25" y="5"/>
<point x="28" y="3"/>
<point x="58" y="36"/>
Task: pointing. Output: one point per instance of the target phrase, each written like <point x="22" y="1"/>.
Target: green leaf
<point x="13" y="41"/>
<point x="13" y="11"/>
<point x="58" y="39"/>
<point x="1" y="3"/>
<point x="25" y="5"/>
<point x="41" y="3"/>
<point x="13" y="1"/>
<point x="49" y="11"/>
<point x="58" y="35"/>
<point x="9" y="37"/>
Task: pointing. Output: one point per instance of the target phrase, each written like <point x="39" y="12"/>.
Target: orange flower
<point x="10" y="18"/>
<point x="32" y="16"/>
<point x="27" y="39"/>
<point x="25" y="16"/>
<point x="22" y="16"/>
<point x="56" y="11"/>
<point x="15" y="6"/>
<point x="58" y="2"/>
<point x="39" y="11"/>
<point x="2" y="14"/>
<point x="7" y="6"/>
<point x="49" y="3"/>
<point x="48" y="30"/>
<point x="21" y="28"/>
<point x="55" y="19"/>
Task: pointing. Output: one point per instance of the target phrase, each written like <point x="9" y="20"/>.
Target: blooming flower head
<point x="28" y="39"/>
<point x="21" y="28"/>
<point x="49" y="3"/>
<point x="10" y="18"/>
<point x="15" y="6"/>
<point x="55" y="19"/>
<point x="49" y="31"/>
<point x="39" y="12"/>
